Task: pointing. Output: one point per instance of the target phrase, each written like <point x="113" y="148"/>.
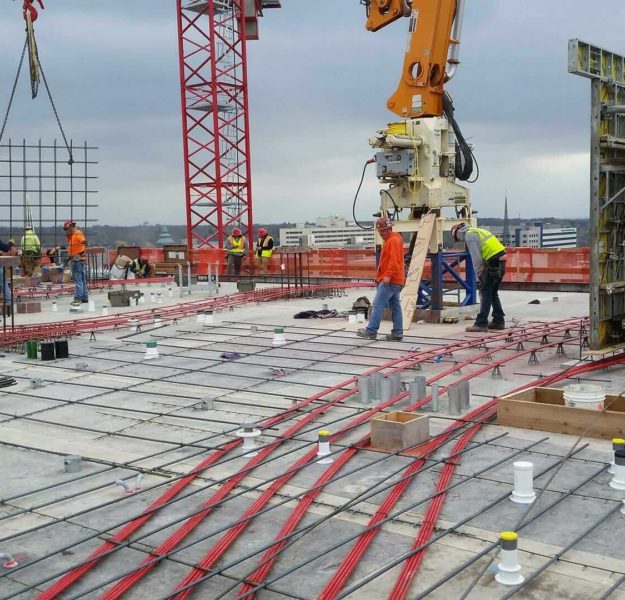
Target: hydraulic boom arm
<point x="434" y="27"/>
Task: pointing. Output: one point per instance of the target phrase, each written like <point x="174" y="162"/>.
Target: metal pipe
<point x="435" y="398"/>
<point x="465" y="394"/>
<point x="189" y="277"/>
<point x="454" y="50"/>
<point x="615" y="109"/>
<point x="364" y="384"/>
<point x="386" y="389"/>
<point x="180" y="279"/>
<point x="377" y="385"/>
<point x="395" y="384"/>
<point x="453" y="395"/>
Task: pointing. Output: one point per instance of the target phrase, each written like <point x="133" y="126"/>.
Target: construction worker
<point x="141" y="268"/>
<point x="10" y="249"/>
<point x="236" y="248"/>
<point x="76" y="248"/>
<point x="30" y="249"/>
<point x="120" y="269"/>
<point x="488" y="255"/>
<point x="264" y="249"/>
<point x="390" y="278"/>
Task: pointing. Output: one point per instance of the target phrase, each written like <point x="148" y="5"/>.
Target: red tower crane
<point x="215" y="119"/>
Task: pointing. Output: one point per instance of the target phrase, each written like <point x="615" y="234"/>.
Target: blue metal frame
<point x="432" y="291"/>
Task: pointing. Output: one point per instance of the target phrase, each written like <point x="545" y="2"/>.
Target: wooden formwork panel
<point x="544" y="409"/>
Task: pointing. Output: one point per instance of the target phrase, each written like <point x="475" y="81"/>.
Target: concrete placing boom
<point x="422" y="158"/>
<point x="434" y="27"/>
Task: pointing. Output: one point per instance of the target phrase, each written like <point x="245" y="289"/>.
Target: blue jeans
<point x="79" y="275"/>
<point x="489" y="295"/>
<point x="4" y="284"/>
<point x="387" y="296"/>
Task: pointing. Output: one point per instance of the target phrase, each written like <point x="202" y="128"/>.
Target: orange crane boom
<point x="428" y="63"/>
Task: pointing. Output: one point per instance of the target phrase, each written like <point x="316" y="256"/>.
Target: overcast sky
<point x="318" y="88"/>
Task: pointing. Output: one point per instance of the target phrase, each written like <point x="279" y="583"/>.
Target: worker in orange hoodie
<point x="76" y="247"/>
<point x="390" y="278"/>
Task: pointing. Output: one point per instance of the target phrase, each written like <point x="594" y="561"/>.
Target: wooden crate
<point x="399" y="430"/>
<point x="544" y="409"/>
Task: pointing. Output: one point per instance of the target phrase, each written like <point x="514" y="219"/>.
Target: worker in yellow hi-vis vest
<point x="236" y="247"/>
<point x="488" y="255"/>
<point x="264" y="249"/>
<point x="30" y="250"/>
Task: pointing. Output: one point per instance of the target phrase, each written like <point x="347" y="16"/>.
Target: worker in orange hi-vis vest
<point x="76" y="247"/>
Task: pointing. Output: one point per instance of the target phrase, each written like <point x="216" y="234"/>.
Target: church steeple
<point x="506" y="224"/>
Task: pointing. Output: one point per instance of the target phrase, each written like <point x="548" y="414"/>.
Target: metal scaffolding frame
<point x="36" y="178"/>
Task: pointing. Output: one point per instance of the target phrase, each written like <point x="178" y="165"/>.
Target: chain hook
<point x="28" y="7"/>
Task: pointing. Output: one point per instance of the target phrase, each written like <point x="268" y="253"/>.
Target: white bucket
<point x="584" y="395"/>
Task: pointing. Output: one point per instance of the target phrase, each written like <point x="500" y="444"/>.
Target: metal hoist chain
<point x="19" y="70"/>
<point x="35" y="70"/>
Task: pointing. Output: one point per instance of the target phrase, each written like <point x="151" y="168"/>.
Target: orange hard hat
<point x="383" y="223"/>
<point x="68" y="224"/>
<point x="236" y="231"/>
<point x="262" y="231"/>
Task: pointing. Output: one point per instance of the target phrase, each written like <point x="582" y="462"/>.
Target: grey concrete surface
<point x="159" y="403"/>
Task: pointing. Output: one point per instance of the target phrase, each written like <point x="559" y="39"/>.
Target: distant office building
<point x="538" y="235"/>
<point x="329" y="232"/>
<point x="559" y="237"/>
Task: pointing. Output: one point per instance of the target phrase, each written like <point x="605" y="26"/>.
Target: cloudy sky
<point x="318" y="88"/>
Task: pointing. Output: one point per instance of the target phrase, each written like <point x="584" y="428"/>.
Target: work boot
<point x="477" y="329"/>
<point x="393" y="337"/>
<point x="363" y="333"/>
<point x="496" y="326"/>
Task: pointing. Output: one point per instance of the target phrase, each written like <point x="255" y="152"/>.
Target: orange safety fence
<point x="525" y="265"/>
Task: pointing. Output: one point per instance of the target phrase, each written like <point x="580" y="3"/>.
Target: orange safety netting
<point x="530" y="265"/>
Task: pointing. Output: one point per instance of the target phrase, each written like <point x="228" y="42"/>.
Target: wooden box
<point x="544" y="409"/>
<point x="399" y="430"/>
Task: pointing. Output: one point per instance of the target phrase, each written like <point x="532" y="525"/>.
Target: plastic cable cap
<point x="279" y="330"/>
<point x="151" y="344"/>
<point x="509" y="536"/>
<point x="618" y="441"/>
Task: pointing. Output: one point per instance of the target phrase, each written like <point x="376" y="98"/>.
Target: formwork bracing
<point x="606" y="71"/>
<point x="40" y="188"/>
